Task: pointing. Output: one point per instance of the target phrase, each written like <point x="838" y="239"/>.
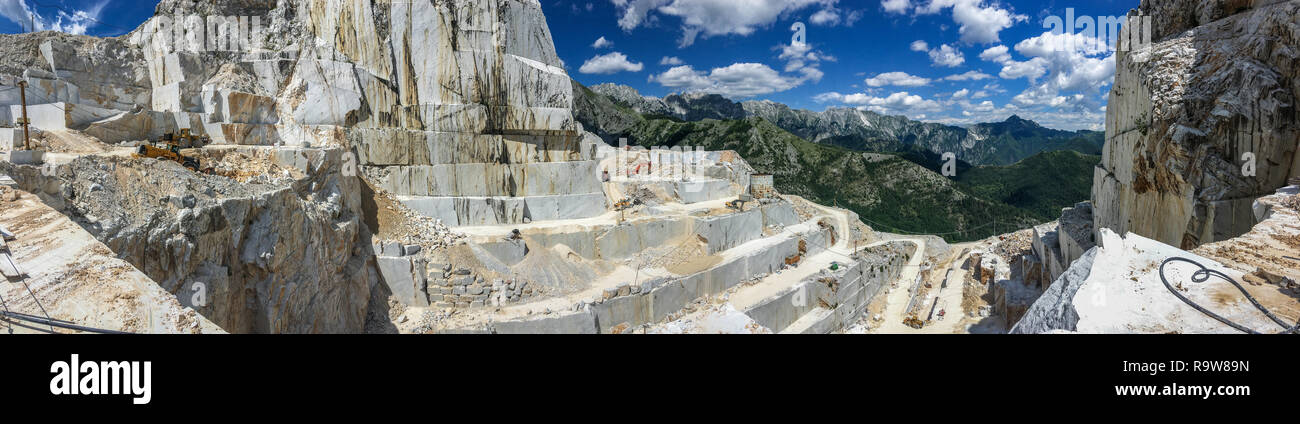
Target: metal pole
<point x="22" y="84"/>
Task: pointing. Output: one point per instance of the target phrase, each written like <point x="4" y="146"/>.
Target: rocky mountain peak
<point x="691" y="106"/>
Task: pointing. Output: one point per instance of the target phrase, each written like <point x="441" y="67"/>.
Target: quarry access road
<point x="896" y="301"/>
<point x="950" y="299"/>
<point x="777" y="283"/>
<point x="607" y="219"/>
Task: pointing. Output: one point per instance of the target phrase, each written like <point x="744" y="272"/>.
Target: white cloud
<point x="635" y="12"/>
<point x="802" y="58"/>
<point x="968" y="76"/>
<point x="602" y="43"/>
<point x="812" y="74"/>
<point x="1071" y="62"/>
<point x="1068" y="76"/>
<point x="828" y="97"/>
<point x="962" y="108"/>
<point x="740" y="80"/>
<point x="948" y="56"/>
<point x="896" y="6"/>
<point x="978" y="23"/>
<point x="944" y="55"/>
<point x="671" y="61"/>
<point x="15" y="11"/>
<point x="900" y="79"/>
<point x="825" y="17"/>
<point x="967" y="112"/>
<point x="900" y="103"/>
<point x="683" y="78"/>
<point x="72" y="22"/>
<point x="833" y="16"/>
<point x="987" y="112"/>
<point x="1043" y="95"/>
<point x="996" y="54"/>
<point x="1032" y="69"/>
<point x="712" y="17"/>
<point x="1048" y="44"/>
<point x="988" y="91"/>
<point x="611" y="63"/>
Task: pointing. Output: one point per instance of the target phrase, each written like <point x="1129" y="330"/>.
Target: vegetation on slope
<point x="1042" y="184"/>
<point x="901" y="191"/>
<point x="994" y="143"/>
<point x="889" y="192"/>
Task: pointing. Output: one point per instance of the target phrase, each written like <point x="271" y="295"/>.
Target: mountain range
<point x="999" y="143"/>
<point x="896" y="189"/>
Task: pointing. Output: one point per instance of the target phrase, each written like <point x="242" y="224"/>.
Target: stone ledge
<point x="467" y="211"/>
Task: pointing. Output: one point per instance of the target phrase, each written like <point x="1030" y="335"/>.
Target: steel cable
<point x="1202" y="275"/>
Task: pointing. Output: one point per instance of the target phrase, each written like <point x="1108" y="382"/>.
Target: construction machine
<point x="172" y="151"/>
<point x="623" y="205"/>
<point x="186" y="139"/>
<point x="739" y="203"/>
<point x="626" y="203"/>
<point x="914" y="322"/>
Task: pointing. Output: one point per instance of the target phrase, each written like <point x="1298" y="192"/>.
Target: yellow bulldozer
<point x="914" y="322"/>
<point x="186" y="139"/>
<point x="172" y="151"/>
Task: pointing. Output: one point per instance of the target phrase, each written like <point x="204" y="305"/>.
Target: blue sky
<point x="864" y="53"/>
<point x="951" y="61"/>
<point x="93" y="17"/>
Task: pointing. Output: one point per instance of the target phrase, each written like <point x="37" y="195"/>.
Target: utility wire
<point x="38" y="304"/>
<point x="6" y="310"/>
<point x="901" y="231"/>
<point x="1202" y="275"/>
<point x="56" y="323"/>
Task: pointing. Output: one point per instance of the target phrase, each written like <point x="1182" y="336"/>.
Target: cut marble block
<point x="466" y="211"/>
<point x="491" y="180"/>
<point x="385" y="147"/>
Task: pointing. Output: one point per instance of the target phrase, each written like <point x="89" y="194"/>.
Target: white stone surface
<point x="729" y="231"/>
<point x="722" y="319"/>
<point x="11" y="137"/>
<point x="1121" y="292"/>
<point x="464" y="211"/>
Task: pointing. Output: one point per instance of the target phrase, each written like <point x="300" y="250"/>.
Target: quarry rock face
<point x="1117" y="287"/>
<point x="459" y="109"/>
<point x="1175" y="16"/>
<point x="427" y="86"/>
<point x="338" y="113"/>
<point x="1217" y="88"/>
<point x="289" y="255"/>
